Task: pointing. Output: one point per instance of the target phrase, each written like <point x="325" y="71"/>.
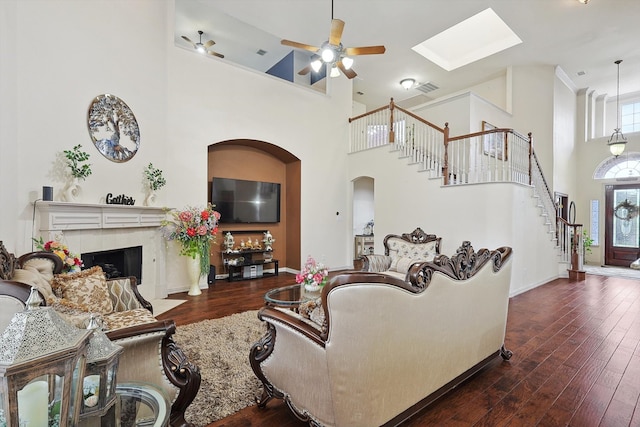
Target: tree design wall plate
<point x="113" y="128"/>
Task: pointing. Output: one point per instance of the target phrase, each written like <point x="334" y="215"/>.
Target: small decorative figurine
<point x="242" y="245"/>
<point x="229" y="242"/>
<point x="256" y="244"/>
<point x="268" y="241"/>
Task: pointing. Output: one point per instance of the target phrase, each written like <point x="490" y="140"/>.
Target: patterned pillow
<point x="85" y="290"/>
<point x="122" y="296"/>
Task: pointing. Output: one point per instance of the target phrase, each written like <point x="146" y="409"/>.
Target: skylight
<point x="474" y="38"/>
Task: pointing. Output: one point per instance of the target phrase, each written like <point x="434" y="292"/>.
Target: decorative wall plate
<point x="113" y="128"/>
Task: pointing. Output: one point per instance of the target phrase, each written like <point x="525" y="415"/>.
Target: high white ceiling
<point x="576" y="37"/>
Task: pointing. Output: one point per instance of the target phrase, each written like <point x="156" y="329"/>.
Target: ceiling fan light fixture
<point x="617" y="141"/>
<point x="328" y="54"/>
<point x="347" y="62"/>
<point x="407" y="83"/>
<point x="334" y="71"/>
<point x="316" y="65"/>
<point x="200" y="48"/>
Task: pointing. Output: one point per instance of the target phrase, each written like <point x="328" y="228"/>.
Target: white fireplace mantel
<point x="65" y="216"/>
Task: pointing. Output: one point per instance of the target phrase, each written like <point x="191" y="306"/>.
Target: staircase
<point x="495" y="155"/>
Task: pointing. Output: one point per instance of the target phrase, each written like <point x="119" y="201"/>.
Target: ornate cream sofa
<point x="401" y="252"/>
<point x="385" y="348"/>
<point x="150" y="354"/>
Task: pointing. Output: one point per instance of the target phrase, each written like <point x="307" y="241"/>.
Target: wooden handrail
<point x="420" y="119"/>
<point x="368" y="113"/>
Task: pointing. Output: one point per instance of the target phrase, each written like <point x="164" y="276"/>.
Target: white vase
<point x="311" y="287"/>
<point x="150" y="198"/>
<point x="193" y="272"/>
<point x="71" y="191"/>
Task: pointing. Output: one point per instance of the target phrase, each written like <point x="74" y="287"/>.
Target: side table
<point x="142" y="405"/>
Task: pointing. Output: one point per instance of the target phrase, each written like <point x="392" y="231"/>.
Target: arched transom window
<point x="624" y="166"/>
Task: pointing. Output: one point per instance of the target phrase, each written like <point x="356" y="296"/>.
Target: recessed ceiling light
<point x="582" y="73"/>
<point x="474" y="38"/>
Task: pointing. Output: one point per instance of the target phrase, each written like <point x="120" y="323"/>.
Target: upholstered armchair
<point x="401" y="252"/>
<point x="150" y="354"/>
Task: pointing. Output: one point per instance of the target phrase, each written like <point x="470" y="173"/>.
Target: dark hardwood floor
<point x="576" y="358"/>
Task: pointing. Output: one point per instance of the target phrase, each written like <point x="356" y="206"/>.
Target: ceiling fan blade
<point x="305" y="70"/>
<point x="337" y="25"/>
<point x="219" y="55"/>
<point x="208" y="44"/>
<point x="364" y="50"/>
<point x="349" y="73"/>
<point x="299" y="45"/>
<point x="189" y="40"/>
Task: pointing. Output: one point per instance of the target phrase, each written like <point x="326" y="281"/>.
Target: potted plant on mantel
<point x="195" y="229"/>
<point x="153" y="181"/>
<point x="79" y="170"/>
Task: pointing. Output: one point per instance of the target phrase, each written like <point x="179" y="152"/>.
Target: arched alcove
<point x="363" y="213"/>
<point x="261" y="161"/>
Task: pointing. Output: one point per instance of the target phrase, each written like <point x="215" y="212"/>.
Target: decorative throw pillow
<point x="85" y="290"/>
<point x="403" y="264"/>
<point x="122" y="296"/>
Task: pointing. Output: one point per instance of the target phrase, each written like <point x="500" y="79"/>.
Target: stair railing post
<point x="530" y="159"/>
<point x="445" y="167"/>
<point x="392" y="135"/>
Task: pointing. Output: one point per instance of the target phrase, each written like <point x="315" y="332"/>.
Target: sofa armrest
<point x="376" y="263"/>
<point x="176" y="375"/>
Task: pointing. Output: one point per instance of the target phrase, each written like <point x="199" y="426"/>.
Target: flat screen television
<point x="242" y="201"/>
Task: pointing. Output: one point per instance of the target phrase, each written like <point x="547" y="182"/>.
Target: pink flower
<point x="185" y="216"/>
<point x="202" y="230"/>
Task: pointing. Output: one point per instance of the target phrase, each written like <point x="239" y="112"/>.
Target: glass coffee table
<point x="289" y="296"/>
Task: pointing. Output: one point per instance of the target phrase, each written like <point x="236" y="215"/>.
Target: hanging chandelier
<point x="617" y="141"/>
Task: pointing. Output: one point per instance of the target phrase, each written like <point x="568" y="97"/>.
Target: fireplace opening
<point x="121" y="262"/>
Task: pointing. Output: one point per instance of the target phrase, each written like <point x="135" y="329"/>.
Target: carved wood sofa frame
<point x="177" y="368"/>
<point x="460" y="267"/>
<point x="395" y="245"/>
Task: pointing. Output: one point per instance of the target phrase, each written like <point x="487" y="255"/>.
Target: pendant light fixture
<point x="617" y="141"/>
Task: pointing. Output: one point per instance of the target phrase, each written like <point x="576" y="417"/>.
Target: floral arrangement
<point x="154" y="178"/>
<point x="75" y="157"/>
<point x="313" y="274"/>
<point x="71" y="262"/>
<point x="195" y="229"/>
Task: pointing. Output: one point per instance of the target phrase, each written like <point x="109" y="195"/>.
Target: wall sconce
<point x="99" y="384"/>
<point x="407" y="83"/>
<point x="584" y="1"/>
<point x="42" y="359"/>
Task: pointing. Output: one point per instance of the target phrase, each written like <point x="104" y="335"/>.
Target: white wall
<point x="489" y="216"/>
<point x="183" y="102"/>
<point x="564" y="138"/>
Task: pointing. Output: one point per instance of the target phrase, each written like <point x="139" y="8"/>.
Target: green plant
<point x="75" y="157"/>
<point x="587" y="241"/>
<point x="154" y="177"/>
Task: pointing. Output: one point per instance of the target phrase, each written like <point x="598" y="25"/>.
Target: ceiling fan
<point x="333" y="53"/>
<point x="203" y="47"/>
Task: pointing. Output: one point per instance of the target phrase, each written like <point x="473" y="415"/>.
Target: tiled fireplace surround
<point x="93" y="228"/>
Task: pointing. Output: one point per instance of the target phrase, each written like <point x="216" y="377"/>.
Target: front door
<point x="622" y="234"/>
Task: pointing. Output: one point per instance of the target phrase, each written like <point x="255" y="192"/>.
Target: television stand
<point x="248" y="264"/>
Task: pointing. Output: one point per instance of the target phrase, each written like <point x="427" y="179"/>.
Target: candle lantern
<point x="42" y="359"/>
<point x="99" y="384"/>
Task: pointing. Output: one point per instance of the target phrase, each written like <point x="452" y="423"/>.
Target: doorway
<point x="622" y="233"/>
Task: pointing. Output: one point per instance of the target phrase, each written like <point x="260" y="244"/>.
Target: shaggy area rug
<point x="220" y="348"/>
